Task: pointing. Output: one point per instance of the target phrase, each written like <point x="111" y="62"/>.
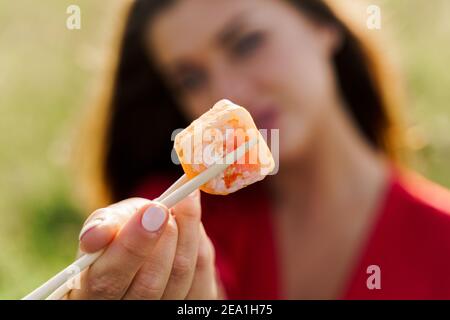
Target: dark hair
<point x="143" y="112"/>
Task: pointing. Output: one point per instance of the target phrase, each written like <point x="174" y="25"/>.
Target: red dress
<point x="409" y="242"/>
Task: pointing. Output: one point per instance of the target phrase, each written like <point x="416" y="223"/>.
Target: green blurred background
<point x="49" y="73"/>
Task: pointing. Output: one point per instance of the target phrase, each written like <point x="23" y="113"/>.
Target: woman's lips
<point x="266" y="118"/>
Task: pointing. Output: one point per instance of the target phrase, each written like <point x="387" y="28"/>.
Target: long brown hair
<point x="127" y="138"/>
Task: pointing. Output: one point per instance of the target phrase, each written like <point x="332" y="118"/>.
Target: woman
<point x="339" y="219"/>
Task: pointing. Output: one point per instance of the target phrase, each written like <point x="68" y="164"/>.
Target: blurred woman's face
<point x="262" y="54"/>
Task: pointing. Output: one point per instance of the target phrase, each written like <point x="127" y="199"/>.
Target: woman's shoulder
<point x="422" y="197"/>
<point x="419" y="210"/>
<point x="410" y="243"/>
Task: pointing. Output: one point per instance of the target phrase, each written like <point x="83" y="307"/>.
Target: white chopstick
<point x="184" y="178"/>
<point x="60" y="278"/>
<point x="56" y="287"/>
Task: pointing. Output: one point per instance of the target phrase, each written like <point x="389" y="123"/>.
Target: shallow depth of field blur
<point x="48" y="74"/>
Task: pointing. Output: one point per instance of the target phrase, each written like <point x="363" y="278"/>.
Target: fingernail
<point x="89" y="226"/>
<point x="153" y="219"/>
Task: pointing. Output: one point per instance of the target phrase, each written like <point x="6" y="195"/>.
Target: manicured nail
<point x="89" y="226"/>
<point x="153" y="218"/>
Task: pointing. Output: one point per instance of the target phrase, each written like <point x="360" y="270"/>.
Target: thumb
<point x="103" y="224"/>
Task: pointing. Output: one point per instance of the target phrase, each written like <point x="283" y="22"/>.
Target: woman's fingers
<point x="110" y="276"/>
<point x="103" y="224"/>
<point x="187" y="214"/>
<point x="151" y="279"/>
<point x="204" y="285"/>
<point x="154" y="255"/>
<point x="169" y="270"/>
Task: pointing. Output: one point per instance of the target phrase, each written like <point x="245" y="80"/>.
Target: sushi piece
<point x="217" y="132"/>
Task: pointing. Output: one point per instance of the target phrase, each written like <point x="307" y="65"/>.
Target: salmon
<point x="217" y="132"/>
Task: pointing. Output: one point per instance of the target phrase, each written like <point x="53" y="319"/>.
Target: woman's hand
<point x="150" y="253"/>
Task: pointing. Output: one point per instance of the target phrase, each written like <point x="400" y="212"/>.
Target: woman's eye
<point x="191" y="82"/>
<point x="248" y="44"/>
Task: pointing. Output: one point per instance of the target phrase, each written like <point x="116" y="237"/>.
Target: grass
<point x="46" y="73"/>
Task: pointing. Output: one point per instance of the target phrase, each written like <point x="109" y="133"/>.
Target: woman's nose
<point x="232" y="86"/>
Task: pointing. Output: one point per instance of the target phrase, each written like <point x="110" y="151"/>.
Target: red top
<point x="409" y="242"/>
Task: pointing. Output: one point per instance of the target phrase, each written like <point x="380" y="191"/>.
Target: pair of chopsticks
<point x="58" y="286"/>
